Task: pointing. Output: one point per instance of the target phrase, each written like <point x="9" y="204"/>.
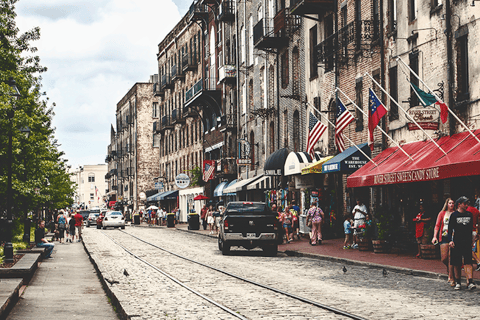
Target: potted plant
<point x="384" y="227"/>
<point x="364" y="238"/>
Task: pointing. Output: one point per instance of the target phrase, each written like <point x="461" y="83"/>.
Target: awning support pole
<point x="353" y="144"/>
<point x="398" y="105"/>
<point x="366" y="115"/>
<point x="436" y="97"/>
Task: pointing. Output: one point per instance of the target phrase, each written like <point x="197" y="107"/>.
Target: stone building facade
<point x="92" y="186"/>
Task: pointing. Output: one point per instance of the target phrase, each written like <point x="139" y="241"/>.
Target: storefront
<point x="186" y="202"/>
<point x="398" y="184"/>
<point x="167" y="200"/>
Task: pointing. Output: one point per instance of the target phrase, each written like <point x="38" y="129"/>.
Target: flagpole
<point x="395" y="142"/>
<point x="322" y="115"/>
<point x="436" y="97"/>
<point x="398" y="105"/>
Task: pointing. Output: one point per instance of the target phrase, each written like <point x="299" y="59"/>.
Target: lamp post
<point x="8" y="249"/>
<point x="26" y="221"/>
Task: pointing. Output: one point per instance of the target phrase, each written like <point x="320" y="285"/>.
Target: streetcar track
<point x="290" y="295"/>
<point x="224" y="308"/>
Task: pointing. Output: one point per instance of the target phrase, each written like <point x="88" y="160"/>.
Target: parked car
<point x="249" y="225"/>
<point x="92" y="219"/>
<point x="85" y="214"/>
<point x="113" y="219"/>
<point x="100" y="219"/>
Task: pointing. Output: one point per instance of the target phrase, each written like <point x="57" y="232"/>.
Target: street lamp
<point x="26" y="221"/>
<point x="8" y="249"/>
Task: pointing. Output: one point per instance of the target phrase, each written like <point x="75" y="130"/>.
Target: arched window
<point x="285" y="69"/>
<point x="252" y="149"/>
<point x="296" y="131"/>
<point x="296" y="71"/>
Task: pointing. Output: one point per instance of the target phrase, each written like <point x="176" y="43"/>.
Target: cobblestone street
<point x="362" y="291"/>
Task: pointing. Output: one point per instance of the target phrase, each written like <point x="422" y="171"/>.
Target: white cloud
<point x="95" y="51"/>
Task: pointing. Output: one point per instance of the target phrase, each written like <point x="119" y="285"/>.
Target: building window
<point x="296" y="71"/>
<point x="393" y="114"/>
<point x="328" y="31"/>
<point x="262" y="87"/>
<point x="392" y="15"/>
<point x="412" y="10"/>
<point x="285" y="128"/>
<point x="296" y="131"/>
<point x="250" y="95"/>
<point x="92" y="196"/>
<point x="462" y="69"/>
<point x="313" y="53"/>
<point x="242" y="44"/>
<point x="284" y="69"/>
<point x="271" y="87"/>
<point x="252" y="149"/>
<point x="436" y="3"/>
<point x="91" y="177"/>
<point x="359" y="102"/>
<point x="250" y="41"/>
<point x="155" y="110"/>
<point x="272" y="137"/>
<point x="414" y="66"/>
<point x="244" y="99"/>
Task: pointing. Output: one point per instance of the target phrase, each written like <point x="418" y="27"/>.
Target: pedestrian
<point x="347" y="229"/>
<point x="71" y="225"/>
<point x="78" y="224"/>
<point x="316" y="216"/>
<point x="359" y="212"/>
<point x="294" y="209"/>
<point x="460" y="235"/>
<point x="164" y="217"/>
<point x="41" y="241"/>
<point x="62" y="222"/>
<point x="440" y="235"/>
<point x="280" y="231"/>
<point x="203" y="216"/>
<point x="475" y="214"/>
<point x="421" y="221"/>
<point x="287" y="221"/>
<point x="210" y="219"/>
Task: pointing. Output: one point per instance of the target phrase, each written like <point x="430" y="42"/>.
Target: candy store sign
<point x="407" y="176"/>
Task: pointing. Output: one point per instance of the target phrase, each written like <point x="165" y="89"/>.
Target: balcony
<point x="226" y="11"/>
<point x="264" y="36"/>
<point x="177" y="116"/>
<point x="166" y="123"/>
<point x="189" y="113"/>
<point x="157" y="90"/>
<point x="227" y="73"/>
<point x="167" y="82"/>
<point x="156" y="126"/>
<point x="229" y="122"/>
<point x="113" y="172"/>
<point x="189" y="63"/>
<point x="303" y="7"/>
<point x="356" y="38"/>
<point x="177" y="73"/>
<point x="198" y="11"/>
<point x="204" y="92"/>
<point x="228" y="168"/>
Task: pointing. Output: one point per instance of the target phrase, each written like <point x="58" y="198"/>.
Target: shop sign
<point x="304" y="182"/>
<point x="182" y="180"/>
<point x="244" y="162"/>
<point x="426" y="117"/>
<point x="159" y="185"/>
<point x="407" y="176"/>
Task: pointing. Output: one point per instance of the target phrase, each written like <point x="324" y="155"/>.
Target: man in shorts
<point x="78" y="224"/>
<point x="460" y="234"/>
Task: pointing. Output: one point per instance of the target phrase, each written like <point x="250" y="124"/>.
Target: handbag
<point x="309" y="223"/>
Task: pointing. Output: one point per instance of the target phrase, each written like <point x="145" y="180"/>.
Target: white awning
<point x="295" y="162"/>
<point x="265" y="183"/>
<point x="241" y="185"/>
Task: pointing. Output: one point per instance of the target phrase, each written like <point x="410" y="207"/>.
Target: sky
<point x="95" y="51"/>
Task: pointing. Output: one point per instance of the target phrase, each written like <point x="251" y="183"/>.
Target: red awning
<point x="111" y="203"/>
<point x="429" y="163"/>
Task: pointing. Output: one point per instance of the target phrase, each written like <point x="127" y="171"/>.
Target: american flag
<point x="344" y="118"/>
<point x="315" y="130"/>
<point x="208" y="169"/>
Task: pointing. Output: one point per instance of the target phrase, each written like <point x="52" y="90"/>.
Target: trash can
<point x="193" y="221"/>
<point x="136" y="219"/>
<point x="170" y="220"/>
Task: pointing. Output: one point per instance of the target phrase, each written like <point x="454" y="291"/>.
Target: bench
<point x="37" y="250"/>
<point x="9" y="295"/>
<point x="24" y="268"/>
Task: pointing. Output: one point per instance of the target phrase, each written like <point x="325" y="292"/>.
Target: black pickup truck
<point x="248" y="225"/>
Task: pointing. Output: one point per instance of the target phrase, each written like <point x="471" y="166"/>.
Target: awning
<point x="241" y="185"/>
<point x="275" y="162"/>
<point x="227" y="186"/>
<point x="429" y="163"/>
<point x="155" y="197"/>
<point x="316" y="167"/>
<point x="169" y="195"/>
<point x="218" y="192"/>
<point x="111" y="203"/>
<point x="348" y="161"/>
<point x="295" y="162"/>
<point x="265" y="183"/>
<point x="318" y="156"/>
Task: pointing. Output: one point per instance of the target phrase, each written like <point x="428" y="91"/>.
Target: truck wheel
<point x="225" y="248"/>
<point x="271" y="250"/>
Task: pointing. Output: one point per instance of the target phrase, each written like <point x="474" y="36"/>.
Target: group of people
<point x="352" y="228"/>
<point x="456" y="231"/>
<point x="211" y="218"/>
<point x="66" y="225"/>
<point x="288" y="219"/>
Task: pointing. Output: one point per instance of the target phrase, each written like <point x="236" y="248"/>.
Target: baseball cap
<point x="462" y="199"/>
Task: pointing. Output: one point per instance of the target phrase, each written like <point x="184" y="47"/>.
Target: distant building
<point x="91" y="185"/>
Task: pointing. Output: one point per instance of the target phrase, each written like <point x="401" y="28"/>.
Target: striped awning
<point x="264" y="183"/>
<point x="218" y="192"/>
<point x="316" y="167"/>
<point x="295" y="162"/>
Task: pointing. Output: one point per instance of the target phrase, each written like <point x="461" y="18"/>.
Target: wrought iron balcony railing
<point x="197" y="11"/>
<point x="226" y="11"/>
<point x="167" y="82"/>
<point x="189" y="62"/>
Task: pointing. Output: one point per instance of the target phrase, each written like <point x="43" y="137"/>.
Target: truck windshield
<point x="247" y="207"/>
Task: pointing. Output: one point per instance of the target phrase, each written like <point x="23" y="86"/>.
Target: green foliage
<point x="196" y="176"/>
<point x="384" y="223"/>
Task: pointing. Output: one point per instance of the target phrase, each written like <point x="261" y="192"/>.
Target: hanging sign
<point x="182" y="180"/>
<point x="426" y="117"/>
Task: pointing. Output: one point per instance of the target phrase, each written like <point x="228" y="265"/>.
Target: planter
<point x="380" y="246"/>
<point x="430" y="251"/>
<point x="364" y="244"/>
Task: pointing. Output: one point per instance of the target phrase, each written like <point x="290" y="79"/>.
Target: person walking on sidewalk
<point x="62" y="222"/>
<point x="296" y="224"/>
<point x="359" y="212"/>
<point x="78" y="224"/>
<point x="203" y="216"/>
<point x="41" y="241"/>
<point x="287" y="220"/>
<point x="210" y="220"/>
<point x="460" y="235"/>
<point x="421" y="220"/>
<point x="440" y="235"/>
<point x="347" y="229"/>
<point x="71" y="225"/>
<point x="316" y="216"/>
<point x="475" y="214"/>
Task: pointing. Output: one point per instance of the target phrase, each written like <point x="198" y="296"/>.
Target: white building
<point x="91" y="185"/>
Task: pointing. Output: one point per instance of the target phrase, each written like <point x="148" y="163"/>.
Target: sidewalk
<point x="333" y="250"/>
<point x="65" y="287"/>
